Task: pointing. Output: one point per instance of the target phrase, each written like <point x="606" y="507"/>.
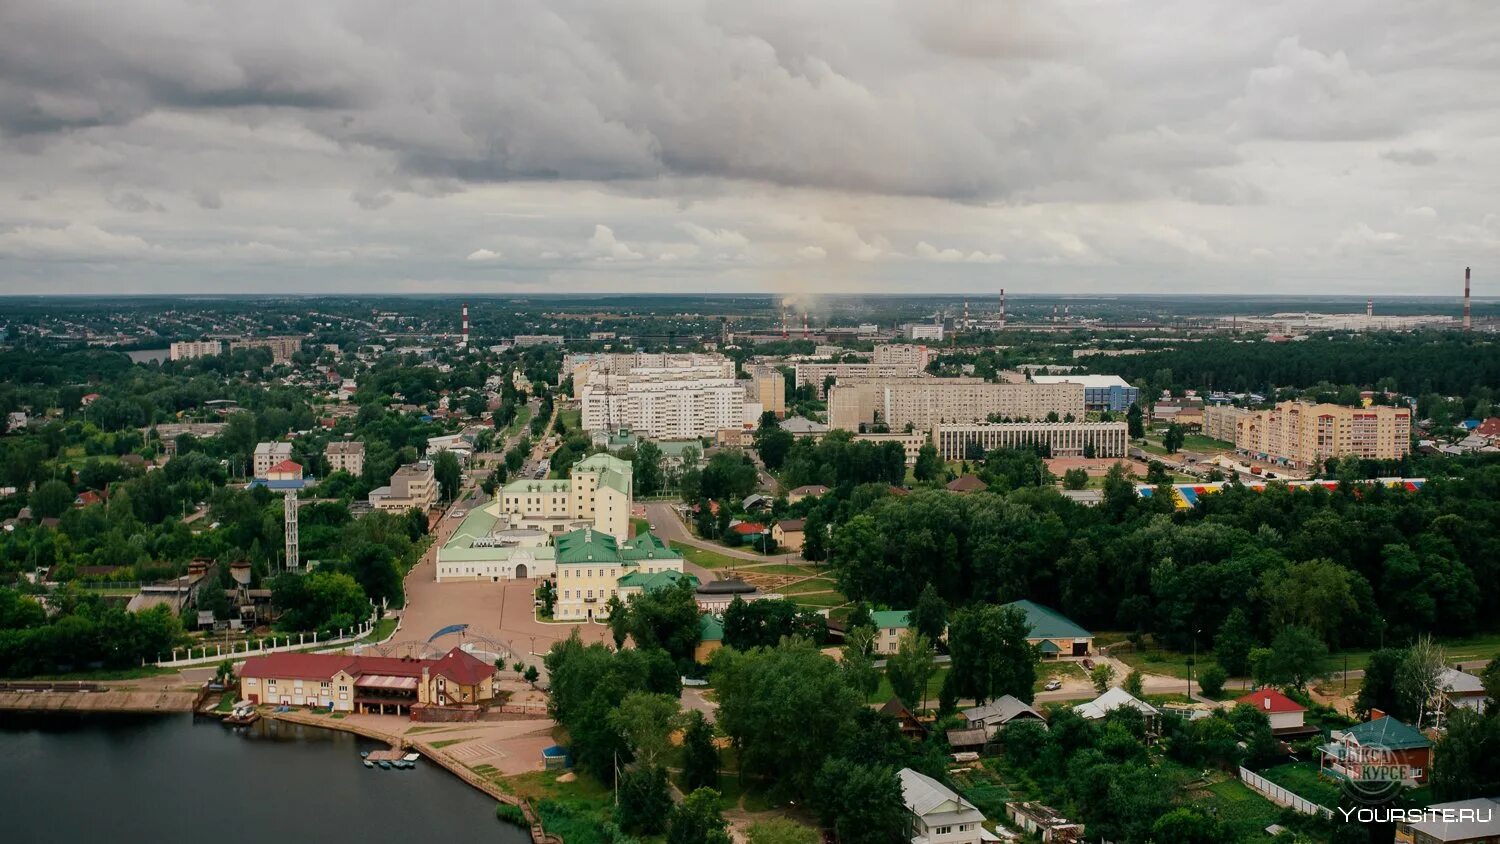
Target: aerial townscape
<point x="710" y="423"/>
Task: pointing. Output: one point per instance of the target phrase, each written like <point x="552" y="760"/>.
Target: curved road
<point x="669" y="527"/>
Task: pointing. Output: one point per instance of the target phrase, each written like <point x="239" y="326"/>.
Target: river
<point x="170" y="778"/>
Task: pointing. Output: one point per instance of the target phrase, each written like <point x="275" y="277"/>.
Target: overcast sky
<point x="1336" y="146"/>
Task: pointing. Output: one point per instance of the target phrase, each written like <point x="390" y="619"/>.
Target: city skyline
<point x="527" y="148"/>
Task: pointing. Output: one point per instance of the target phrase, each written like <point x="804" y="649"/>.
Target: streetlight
<point x="1192" y="662"/>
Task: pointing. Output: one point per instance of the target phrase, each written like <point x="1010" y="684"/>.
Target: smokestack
<point x="1054" y="313"/>
<point x="1067" y="312"/>
<point x="1002" y="306"/>
<point x="1468" y="315"/>
<point x="464" y="343"/>
<point x="804" y="325"/>
<point x="1369" y="307"/>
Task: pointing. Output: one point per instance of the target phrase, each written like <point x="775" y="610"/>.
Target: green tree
<point x="1134" y="682"/>
<point x="619" y="620"/>
<point x="1136" y="427"/>
<point x="772" y="443"/>
<point x="1297" y="656"/>
<point x="930" y="614"/>
<point x="815" y="537"/>
<point x="645" y="800"/>
<point x="646" y="469"/>
<point x="666" y="618"/>
<point x="1317" y="594"/>
<point x="858" y="663"/>
<point x="1233" y="643"/>
<point x="1077" y="478"/>
<point x="991" y="657"/>
<point x="448" y="473"/>
<point x="1101" y="676"/>
<point x="700" y="757"/>
<point x="910" y="667"/>
<point x="929" y="465"/>
<point x="646" y="722"/>
<point x="1173" y="437"/>
<point x="697" y="820"/>
<point x="1211" y="681"/>
<point x="1186" y="825"/>
<point x="1466" y="759"/>
<point x="1419" y="678"/>
<point x="51" y="499"/>
<point x="861" y="803"/>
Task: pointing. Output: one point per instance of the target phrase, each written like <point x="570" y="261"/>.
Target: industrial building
<point x="1297" y="433"/>
<point x="1100" y="392"/>
<point x="960" y="441"/>
<point x="924" y="402"/>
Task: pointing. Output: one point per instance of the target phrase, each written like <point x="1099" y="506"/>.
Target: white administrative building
<point x="925" y="402"/>
<point x="958" y="441"/>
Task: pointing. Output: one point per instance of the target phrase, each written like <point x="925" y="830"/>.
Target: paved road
<point x="670" y="527"/>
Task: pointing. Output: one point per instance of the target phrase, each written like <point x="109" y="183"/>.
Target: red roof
<point x="1489" y="427"/>
<point x="456" y="665"/>
<point x="748" y="528"/>
<point x="1270" y="700"/>
<point x="286" y="466"/>
<point x="88" y="497"/>
<point x="462" y="668"/>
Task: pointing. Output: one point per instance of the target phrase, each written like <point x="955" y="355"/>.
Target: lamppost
<point x="1193" y="662"/>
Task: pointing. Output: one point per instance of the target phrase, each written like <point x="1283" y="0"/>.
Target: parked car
<point x="1088" y="664"/>
<point x="1053" y="685"/>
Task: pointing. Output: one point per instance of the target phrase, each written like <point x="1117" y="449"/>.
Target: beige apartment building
<point x="412" y="485"/>
<point x="189" y="349"/>
<point x="1305" y="434"/>
<point x="1220" y="421"/>
<point x="767" y="386"/>
<point x="925" y="402"/>
<point x="596" y="495"/>
<point x="903" y="354"/>
<point x="816" y="375"/>
<point x="282" y="348"/>
<point x="1064" y="439"/>
<point x="911" y="444"/>
<point x="345" y="456"/>
<point x="268" y="455"/>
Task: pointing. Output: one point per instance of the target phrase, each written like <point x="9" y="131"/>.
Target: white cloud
<point x="720" y="238"/>
<point x="951" y="255"/>
<point x="485" y="255"/>
<point x="812" y="253"/>
<point x="603" y="246"/>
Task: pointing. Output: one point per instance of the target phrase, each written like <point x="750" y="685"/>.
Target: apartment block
<point x="680" y="403"/>
<point x="268" y="455"/>
<point x="903" y="354"/>
<point x="1064" y="439"/>
<point x="189" y="349"/>
<point x="282" y="348"/>
<point x="1305" y="434"/>
<point x="345" y="456"/>
<point x="1220" y="421"/>
<point x="767" y="386"/>
<point x="925" y="402"/>
<point x="816" y="375"/>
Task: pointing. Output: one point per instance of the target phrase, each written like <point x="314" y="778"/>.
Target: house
<point x="1043" y="822"/>
<point x="268" y="454"/>
<point x="966" y="484"/>
<point x="756" y="502"/>
<point x="749" y="532"/>
<point x="1114" y="699"/>
<point x="89" y="398"/>
<point x="890" y="625"/>
<point x="805" y="491"/>
<point x="967" y="741"/>
<point x="788" y="534"/>
<point x="88" y="497"/>
<point x="1475" y="821"/>
<point x="1286" y="715"/>
<point x="286" y="470"/>
<point x="1463" y="690"/>
<point x="1053" y="633"/>
<point x="710" y="638"/>
<point x="997" y="714"/>
<point x="1382" y="749"/>
<point x="938" y="814"/>
<point x="910" y="726"/>
<point x="456" y="686"/>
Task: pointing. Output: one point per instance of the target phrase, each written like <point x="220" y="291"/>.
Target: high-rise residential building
<point x="268" y="455"/>
<point x="282" y="348"/>
<point x="767" y="385"/>
<point x="1221" y="420"/>
<point x="816" y="375"/>
<point x="673" y="403"/>
<point x="412" y="485"/>
<point x="961" y="441"/>
<point x="903" y="354"/>
<point x="189" y="349"/>
<point x="1100" y="392"/>
<point x="580" y="367"/>
<point x="925" y="402"/>
<point x="345" y="456"/>
<point x="1305" y="434"/>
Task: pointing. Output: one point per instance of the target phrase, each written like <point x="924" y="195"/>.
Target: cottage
<point x="905" y="719"/>
<point x="788" y="534"/>
<point x="806" y="491"/>
<point x="890" y="625"/>
<point x="1114" y="699"/>
<point x="1381" y="749"/>
<point x="938" y="814"/>
<point x="1053" y="633"/>
<point x="1286" y="715"/>
<point x="1462" y="690"/>
<point x="997" y="714"/>
<point x="967" y="483"/>
<point x="1474" y="821"/>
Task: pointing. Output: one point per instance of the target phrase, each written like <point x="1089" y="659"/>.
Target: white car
<point x="1053" y="685"/>
<point x="458" y="514"/>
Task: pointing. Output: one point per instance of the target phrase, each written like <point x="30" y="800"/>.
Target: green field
<point x="1153" y="660"/>
<point x="571" y="419"/>
<point x="820" y="601"/>
<point x="1302" y="779"/>
<point x="708" y="559"/>
<point x="816" y="584"/>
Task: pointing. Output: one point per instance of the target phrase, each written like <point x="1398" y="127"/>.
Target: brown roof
<point x="791" y="525"/>
<point x="967" y="483"/>
<point x="810" y="489"/>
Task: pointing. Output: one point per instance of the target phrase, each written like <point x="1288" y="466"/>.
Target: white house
<point x="1463" y="690"/>
<point x="938" y="815"/>
<point x="1113" y="699"/>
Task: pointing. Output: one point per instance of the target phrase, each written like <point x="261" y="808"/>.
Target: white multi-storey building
<point x="582" y="367"/>
<point x="957" y="441"/>
<point x="924" y="402"/>
<point x="816" y="375"/>
<point x="189" y="349"/>
<point x="665" y="403"/>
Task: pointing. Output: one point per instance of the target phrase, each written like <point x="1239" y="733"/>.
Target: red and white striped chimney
<point x="464" y="343"/>
<point x="1468" y="315"/>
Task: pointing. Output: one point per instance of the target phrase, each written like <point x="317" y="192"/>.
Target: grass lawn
<point x="1198" y="442"/>
<point x="137" y="673"/>
<point x="639" y="526"/>
<point x="816" y="584"/>
<point x="708" y="559"/>
<point x="382" y="629"/>
<point x="1301" y="778"/>
<point x="577" y="810"/>
<point x="934" y="685"/>
<point x="1243" y="811"/>
<point x="442" y="743"/>
<point x="523" y="418"/>
<point x="227" y="702"/>
<point x="773" y="568"/>
<point x="1154" y="660"/>
<point x="832" y="599"/>
<point x="1061" y="670"/>
<point x="985" y="789"/>
<point x="571" y="419"/>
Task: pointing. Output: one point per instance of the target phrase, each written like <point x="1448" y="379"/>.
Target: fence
<point x="214" y="654"/>
<point x="1280" y="796"/>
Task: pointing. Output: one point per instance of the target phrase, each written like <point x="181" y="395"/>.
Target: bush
<point x="1211" y="681"/>
<point x="511" y="813"/>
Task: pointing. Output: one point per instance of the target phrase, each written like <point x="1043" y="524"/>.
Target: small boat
<point x="411" y="757"/>
<point x="369" y="764"/>
<point x="384" y="765"/>
<point x="364" y="754"/>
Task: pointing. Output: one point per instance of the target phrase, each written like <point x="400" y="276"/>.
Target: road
<point x="669" y="527"/>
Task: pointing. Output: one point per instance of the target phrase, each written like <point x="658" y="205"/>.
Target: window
<point x="324" y="684"/>
<point x="944" y="830"/>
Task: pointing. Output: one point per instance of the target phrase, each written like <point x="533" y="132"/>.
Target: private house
<point x="286" y="470"/>
<point x="456" y="686"/>
<point x="1462" y="690"/>
<point x="807" y="491"/>
<point x="1475" y="821"/>
<point x="938" y="815"/>
<point x="788" y="534"/>
<point x="1116" y="698"/>
<point x="1381" y="749"/>
<point x="1043" y="822"/>
<point x="890" y="625"/>
<point x="1286" y="715"/>
<point x="998" y="714"/>
<point x="1053" y="633"/>
<point x="905" y="719"/>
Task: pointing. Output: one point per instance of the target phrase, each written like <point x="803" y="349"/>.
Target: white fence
<point x="214" y="654"/>
<point x="1280" y="796"/>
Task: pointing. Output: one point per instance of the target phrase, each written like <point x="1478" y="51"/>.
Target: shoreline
<point x="138" y="701"/>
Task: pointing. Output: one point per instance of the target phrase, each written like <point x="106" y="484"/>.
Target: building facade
<point x="768" y="387"/>
<point x="592" y="564"/>
<point x="816" y="375"/>
<point x="1100" y="392"/>
<point x="189" y="349"/>
<point x="370" y="684"/>
<point x="925" y="402"/>
<point x="345" y="456"/>
<point x="1305" y="434"/>
<point x="268" y="455"/>
<point x="665" y="404"/>
<point x="1064" y="439"/>
<point x="1221" y="421"/>
<point x="412" y="485"/>
<point x="903" y="354"/>
<point x="282" y="348"/>
<point x="597" y="494"/>
<point x="938" y="815"/>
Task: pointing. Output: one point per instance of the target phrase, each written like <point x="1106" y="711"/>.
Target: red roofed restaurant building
<point x="455" y="687"/>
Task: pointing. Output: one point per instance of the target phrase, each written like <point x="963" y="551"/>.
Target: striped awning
<point x="385" y="681"/>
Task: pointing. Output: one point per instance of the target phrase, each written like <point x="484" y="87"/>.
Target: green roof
<point x="675" y="448"/>
<point x="477" y="525"/>
<point x="587" y="546"/>
<point x="891" y="618"/>
<point x="1049" y="647"/>
<point x="1388" y="733"/>
<point x="710" y="628"/>
<point x="652" y="582"/>
<point x="1047" y="623"/>
<point x="542" y="485"/>
<point x="647" y="546"/>
<point x="613" y="472"/>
